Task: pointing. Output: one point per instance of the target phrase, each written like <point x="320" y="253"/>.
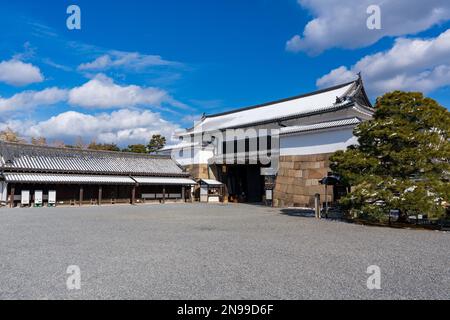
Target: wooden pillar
<point x="183" y="193"/>
<point x="164" y="194"/>
<point x="133" y="195"/>
<point x="11" y="200"/>
<point x="81" y="196"/>
<point x="100" y="191"/>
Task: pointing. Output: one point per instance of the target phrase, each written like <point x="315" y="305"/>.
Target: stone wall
<point x="298" y="180"/>
<point x="197" y="171"/>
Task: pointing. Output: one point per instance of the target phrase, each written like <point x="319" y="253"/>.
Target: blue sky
<point x="138" y="67"/>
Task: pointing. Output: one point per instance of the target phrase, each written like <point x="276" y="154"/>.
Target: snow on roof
<point x="211" y="182"/>
<point x="164" y="181"/>
<point x="319" y="126"/>
<point x="319" y="101"/>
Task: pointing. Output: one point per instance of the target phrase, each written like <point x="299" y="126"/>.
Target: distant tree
<point x="157" y="142"/>
<point x="402" y="160"/>
<point x="8" y="135"/>
<point x="103" y="146"/>
<point x="39" y="141"/>
<point x="79" y="144"/>
<point x="59" y="144"/>
<point x="136" y="148"/>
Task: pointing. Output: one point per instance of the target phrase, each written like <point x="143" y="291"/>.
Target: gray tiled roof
<point x="29" y="158"/>
<point x="321" y="125"/>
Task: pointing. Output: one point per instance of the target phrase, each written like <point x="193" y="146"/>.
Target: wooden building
<point x="40" y="175"/>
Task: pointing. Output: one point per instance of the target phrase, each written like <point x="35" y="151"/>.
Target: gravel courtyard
<point x="194" y="251"/>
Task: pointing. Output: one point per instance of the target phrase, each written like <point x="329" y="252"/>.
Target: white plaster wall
<point x="197" y="156"/>
<point x="317" y="142"/>
<point x="296" y="144"/>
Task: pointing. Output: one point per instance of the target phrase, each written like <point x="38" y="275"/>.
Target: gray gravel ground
<point x="194" y="251"/>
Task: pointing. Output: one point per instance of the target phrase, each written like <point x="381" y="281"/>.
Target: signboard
<point x="38" y="198"/>
<point x="269" y="182"/>
<point x="268" y="172"/>
<point x="269" y="194"/>
<point x="52" y="197"/>
<point x="204" y="194"/>
<point x="214" y="199"/>
<point x="3" y="192"/>
<point x="25" y="198"/>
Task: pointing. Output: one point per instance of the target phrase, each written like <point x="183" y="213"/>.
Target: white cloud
<point x="102" y="92"/>
<point x="342" y="23"/>
<point x="411" y="64"/>
<point x="98" y="93"/>
<point x="122" y="127"/>
<point x="17" y="73"/>
<point x="132" y="61"/>
<point x="28" y="100"/>
<point x="53" y="64"/>
<point x="336" y="76"/>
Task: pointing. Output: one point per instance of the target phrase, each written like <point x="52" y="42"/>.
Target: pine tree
<point x="136" y="148"/>
<point x="156" y="143"/>
<point x="402" y="161"/>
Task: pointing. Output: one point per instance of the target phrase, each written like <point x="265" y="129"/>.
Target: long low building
<point x="41" y="175"/>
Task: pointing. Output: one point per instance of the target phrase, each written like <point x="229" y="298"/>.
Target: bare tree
<point x="79" y="143"/>
<point x="8" y="135"/>
<point x="58" y="144"/>
<point x="39" y="141"/>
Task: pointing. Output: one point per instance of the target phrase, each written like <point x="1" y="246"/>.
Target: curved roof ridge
<point x="280" y="100"/>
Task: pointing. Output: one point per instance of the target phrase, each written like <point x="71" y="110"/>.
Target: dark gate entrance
<point x="244" y="183"/>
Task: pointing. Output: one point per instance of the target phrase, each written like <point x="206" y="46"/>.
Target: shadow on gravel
<point x="299" y="212"/>
<point x="336" y="215"/>
<point x="333" y="214"/>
